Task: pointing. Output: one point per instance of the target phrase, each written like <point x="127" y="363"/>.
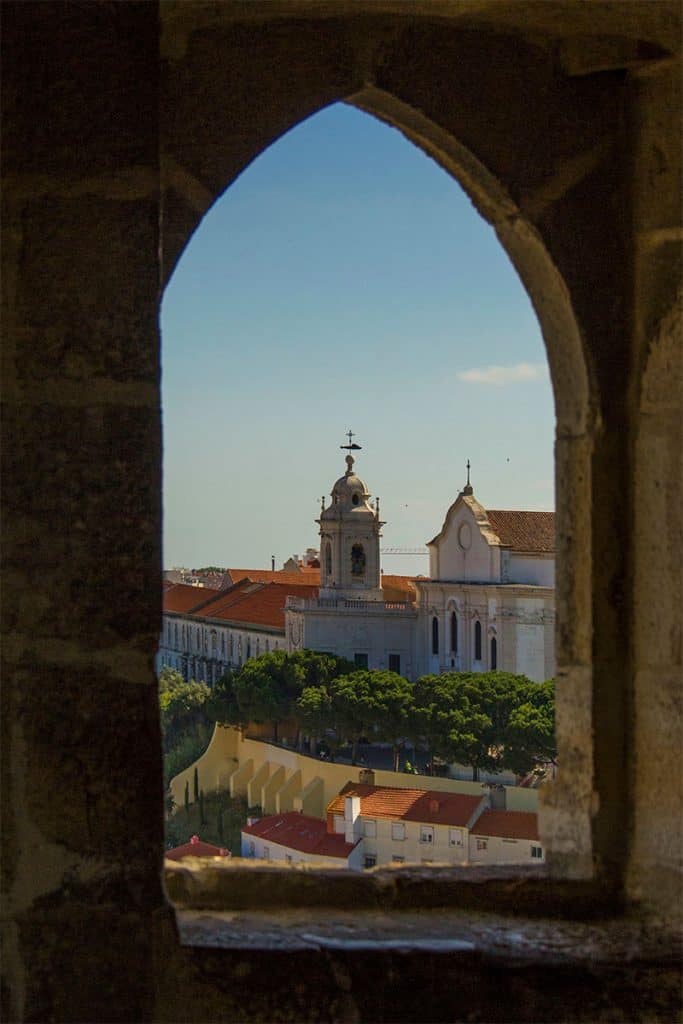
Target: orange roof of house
<point x="181" y="597"/>
<point x="302" y="833"/>
<point x="398" y="588"/>
<point x="196" y="848"/>
<point x="304" y="575"/>
<point x="261" y="604"/>
<point x="507" y="825"/>
<point x="424" y="805"/>
<point x="524" y="531"/>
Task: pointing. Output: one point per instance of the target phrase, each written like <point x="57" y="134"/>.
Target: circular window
<point x="355" y="499"/>
<point x="464" y="536"/>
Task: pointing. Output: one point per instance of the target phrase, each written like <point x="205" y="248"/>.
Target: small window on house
<point x="426" y="834"/>
<point x="494" y="654"/>
<point x="455" y="837"/>
<point x="397" y="859"/>
<point x="360" y="660"/>
<point x="252" y="848"/>
<point x="537" y="852"/>
<point x="248" y="649"/>
<point x="454" y="633"/>
<point x="435" y="635"/>
<point x="288" y="858"/>
<point x="370" y="860"/>
<point x="398" y="830"/>
<point x="370" y="829"/>
<point x="395" y="663"/>
<point x="477" y="641"/>
<point x="266" y="853"/>
<point x="482" y="844"/>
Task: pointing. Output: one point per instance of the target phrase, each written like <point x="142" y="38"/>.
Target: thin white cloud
<point x="501" y="375"/>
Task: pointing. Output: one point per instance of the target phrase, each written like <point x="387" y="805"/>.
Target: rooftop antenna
<point x="351" y="446"/>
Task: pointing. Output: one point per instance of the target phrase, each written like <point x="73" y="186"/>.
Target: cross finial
<point x="468" y="486"/>
<point x="350" y="434"/>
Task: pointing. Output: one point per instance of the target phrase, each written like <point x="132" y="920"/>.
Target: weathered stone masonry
<point x="121" y="125"/>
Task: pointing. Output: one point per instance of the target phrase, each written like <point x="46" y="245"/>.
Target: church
<point x="489" y="602"/>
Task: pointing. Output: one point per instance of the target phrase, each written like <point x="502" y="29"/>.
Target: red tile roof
<point x="507" y="825"/>
<point x="302" y="833"/>
<point x="524" y="531"/>
<point x="398" y="588"/>
<point x="181" y="597"/>
<point x="196" y="848"/>
<point x="305" y="575"/>
<point x="258" y="604"/>
<point x="423" y="805"/>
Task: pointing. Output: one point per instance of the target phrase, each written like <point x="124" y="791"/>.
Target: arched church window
<point x="494" y="654"/>
<point x="435" y="635"/>
<point x="454" y="633"/>
<point x="477" y="641"/>
<point x="355" y="499"/>
<point x="328" y="558"/>
<point x="357" y="560"/>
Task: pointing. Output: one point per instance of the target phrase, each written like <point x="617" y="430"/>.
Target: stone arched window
<point x="493" y="665"/>
<point x="477" y="640"/>
<point x="454" y="633"/>
<point x="328" y="558"/>
<point x="435" y="635"/>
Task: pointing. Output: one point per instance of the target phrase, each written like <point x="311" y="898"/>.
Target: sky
<point x="345" y="281"/>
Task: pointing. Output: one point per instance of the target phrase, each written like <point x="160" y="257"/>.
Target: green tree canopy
<point x="262" y="691"/>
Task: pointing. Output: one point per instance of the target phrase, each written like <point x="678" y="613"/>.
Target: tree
<point x="261" y="689"/>
<point x="530" y="739"/>
<point x="393" y="704"/>
<point x="313" y="711"/>
<point x="309" y="670"/>
<point x="183" y="708"/>
<point x="187" y="798"/>
<point x="196" y="784"/>
<point x="222" y="705"/>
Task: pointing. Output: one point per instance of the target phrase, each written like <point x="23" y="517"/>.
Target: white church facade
<point x="489" y="602"/>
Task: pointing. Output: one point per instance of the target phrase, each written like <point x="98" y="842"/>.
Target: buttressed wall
<point x="122" y="123"/>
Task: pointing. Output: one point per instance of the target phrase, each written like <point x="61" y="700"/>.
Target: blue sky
<point x="344" y="281"/>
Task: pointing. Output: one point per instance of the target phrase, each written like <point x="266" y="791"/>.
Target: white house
<point x="369" y="825"/>
<point x="295" y="838"/>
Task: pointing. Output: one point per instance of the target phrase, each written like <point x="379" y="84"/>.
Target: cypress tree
<point x="187" y="798"/>
<point x="196" y="785"/>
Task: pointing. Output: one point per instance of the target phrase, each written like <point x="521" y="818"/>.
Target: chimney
<point x="433" y="806"/>
<point x="272" y="562"/>
<point x="498" y="798"/>
<point x="351" y="818"/>
<point x="366" y="776"/>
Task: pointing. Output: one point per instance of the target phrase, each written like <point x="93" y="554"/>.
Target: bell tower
<point x="350" y="530"/>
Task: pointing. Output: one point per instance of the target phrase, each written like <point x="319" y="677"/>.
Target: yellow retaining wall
<point x="279" y="779"/>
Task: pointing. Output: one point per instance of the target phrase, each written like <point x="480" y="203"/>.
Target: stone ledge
<point x="241" y="885"/>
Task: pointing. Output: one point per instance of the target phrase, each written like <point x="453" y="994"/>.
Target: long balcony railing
<point x="301" y="604"/>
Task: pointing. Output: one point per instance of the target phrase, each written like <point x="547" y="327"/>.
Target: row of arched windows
<point x="493" y="661"/>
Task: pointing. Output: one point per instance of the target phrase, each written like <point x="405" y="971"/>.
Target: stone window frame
<point x="570" y="807"/>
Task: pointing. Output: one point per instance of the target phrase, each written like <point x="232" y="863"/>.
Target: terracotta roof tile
<point x="429" y="806"/>
<point x="302" y="833"/>
<point x="196" y="848"/>
<point x="524" y="531"/>
<point x="507" y="825"/>
<point x="305" y="575"/>
<point x="181" y="597"/>
<point x="259" y="604"/>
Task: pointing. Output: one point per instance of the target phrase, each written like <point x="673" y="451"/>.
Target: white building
<point x="489" y="602"/>
<point x="369" y="825"/>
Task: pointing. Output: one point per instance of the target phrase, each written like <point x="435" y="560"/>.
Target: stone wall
<point x="122" y="123"/>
